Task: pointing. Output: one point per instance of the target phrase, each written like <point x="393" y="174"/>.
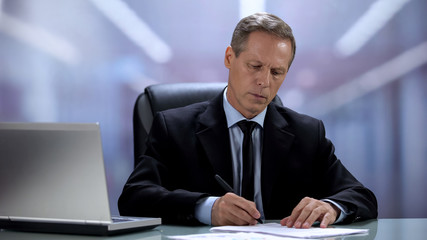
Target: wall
<point x="360" y="67"/>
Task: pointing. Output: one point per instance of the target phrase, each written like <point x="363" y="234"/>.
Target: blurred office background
<point x="360" y="67"/>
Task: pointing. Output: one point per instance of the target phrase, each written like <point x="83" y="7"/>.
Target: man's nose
<point x="264" y="78"/>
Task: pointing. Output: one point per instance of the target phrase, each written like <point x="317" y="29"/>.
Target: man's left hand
<point x="310" y="210"/>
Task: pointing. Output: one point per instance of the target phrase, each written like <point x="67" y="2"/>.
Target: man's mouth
<point x="258" y="96"/>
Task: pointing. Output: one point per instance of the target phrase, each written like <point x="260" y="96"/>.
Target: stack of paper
<point x="278" y="230"/>
<point x="270" y="231"/>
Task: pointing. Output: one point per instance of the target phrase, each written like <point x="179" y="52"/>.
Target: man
<point x="295" y="175"/>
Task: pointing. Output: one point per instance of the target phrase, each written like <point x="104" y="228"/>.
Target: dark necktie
<point x="248" y="159"/>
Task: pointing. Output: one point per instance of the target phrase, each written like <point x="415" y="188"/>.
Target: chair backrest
<point x="165" y="96"/>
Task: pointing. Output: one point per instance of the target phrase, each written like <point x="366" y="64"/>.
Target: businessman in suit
<point x="294" y="173"/>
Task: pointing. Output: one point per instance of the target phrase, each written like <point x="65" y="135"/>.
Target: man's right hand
<point x="231" y="209"/>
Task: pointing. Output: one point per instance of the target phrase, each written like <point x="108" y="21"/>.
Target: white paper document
<point x="229" y="236"/>
<point x="277" y="230"/>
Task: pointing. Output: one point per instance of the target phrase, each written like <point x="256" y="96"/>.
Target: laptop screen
<point x="52" y="172"/>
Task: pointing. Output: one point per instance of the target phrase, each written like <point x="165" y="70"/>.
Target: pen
<point x="228" y="188"/>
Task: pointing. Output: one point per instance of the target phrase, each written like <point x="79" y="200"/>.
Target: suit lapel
<point x="277" y="143"/>
<point x="214" y="138"/>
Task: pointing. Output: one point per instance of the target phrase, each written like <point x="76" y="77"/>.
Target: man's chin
<point x="256" y="109"/>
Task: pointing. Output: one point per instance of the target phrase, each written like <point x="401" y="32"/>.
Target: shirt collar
<point x="233" y="116"/>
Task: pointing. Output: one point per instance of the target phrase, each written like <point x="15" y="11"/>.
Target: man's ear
<point x="229" y="55"/>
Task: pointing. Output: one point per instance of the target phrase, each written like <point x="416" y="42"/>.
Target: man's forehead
<point x="257" y="50"/>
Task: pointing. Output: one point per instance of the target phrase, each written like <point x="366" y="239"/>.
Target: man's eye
<point x="255" y="66"/>
<point x="276" y="73"/>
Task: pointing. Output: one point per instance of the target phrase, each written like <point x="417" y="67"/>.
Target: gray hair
<point x="265" y="22"/>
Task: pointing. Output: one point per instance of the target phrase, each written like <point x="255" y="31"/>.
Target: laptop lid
<point x="53" y="173"/>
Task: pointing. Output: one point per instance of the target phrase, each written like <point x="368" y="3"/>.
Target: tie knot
<point x="247" y="126"/>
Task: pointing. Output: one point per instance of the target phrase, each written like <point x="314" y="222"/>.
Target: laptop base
<point x="80" y="229"/>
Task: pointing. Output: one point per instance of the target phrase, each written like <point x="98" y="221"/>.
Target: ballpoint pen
<point x="228" y="188"/>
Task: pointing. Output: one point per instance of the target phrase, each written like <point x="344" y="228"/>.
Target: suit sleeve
<point x="342" y="187"/>
<point x="150" y="190"/>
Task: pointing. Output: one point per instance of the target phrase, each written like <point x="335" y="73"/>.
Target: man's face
<point x="257" y="74"/>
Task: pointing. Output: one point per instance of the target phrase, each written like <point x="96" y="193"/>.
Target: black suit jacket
<point x="188" y="146"/>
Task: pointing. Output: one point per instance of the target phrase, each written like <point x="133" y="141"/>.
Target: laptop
<point x="52" y="179"/>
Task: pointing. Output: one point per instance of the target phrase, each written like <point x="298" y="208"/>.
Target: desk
<point x="390" y="229"/>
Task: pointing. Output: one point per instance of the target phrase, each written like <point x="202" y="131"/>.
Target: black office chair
<point x="160" y="97"/>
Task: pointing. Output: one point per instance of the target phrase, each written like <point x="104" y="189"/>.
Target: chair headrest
<point x="172" y="95"/>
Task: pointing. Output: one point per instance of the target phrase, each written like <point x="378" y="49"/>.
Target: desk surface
<point x="390" y="229"/>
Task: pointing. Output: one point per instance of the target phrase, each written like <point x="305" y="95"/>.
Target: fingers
<point x="308" y="211"/>
<point x="331" y="216"/>
<point x="284" y="221"/>
<point x="327" y="219"/>
<point x="231" y="209"/>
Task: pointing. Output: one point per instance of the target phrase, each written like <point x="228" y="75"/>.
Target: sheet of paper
<point x="278" y="230"/>
<point x="229" y="236"/>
